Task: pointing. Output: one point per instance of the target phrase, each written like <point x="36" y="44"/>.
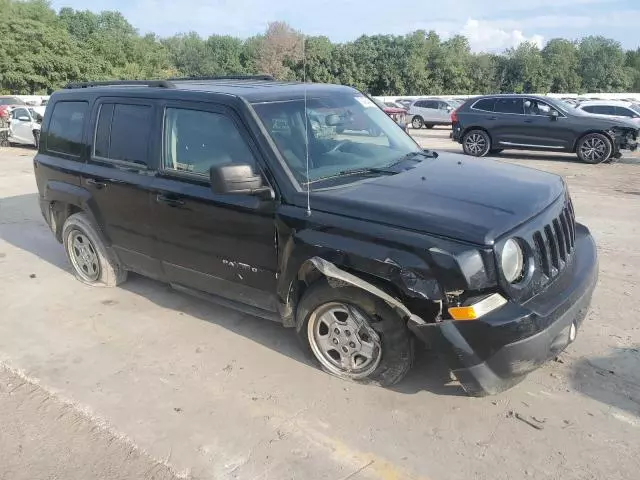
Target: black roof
<point x="253" y="89"/>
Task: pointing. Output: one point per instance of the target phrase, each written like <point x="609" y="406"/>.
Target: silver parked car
<point x="429" y="112"/>
<point x="612" y="108"/>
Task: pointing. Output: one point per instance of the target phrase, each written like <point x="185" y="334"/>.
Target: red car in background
<point x="397" y="113"/>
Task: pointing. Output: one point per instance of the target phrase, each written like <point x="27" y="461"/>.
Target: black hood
<point x="475" y="200"/>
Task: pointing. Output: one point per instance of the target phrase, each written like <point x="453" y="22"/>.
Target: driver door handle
<point x="171" y="201"/>
<point x="95" y="183"/>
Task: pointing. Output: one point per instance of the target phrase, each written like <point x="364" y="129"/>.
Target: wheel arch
<point x="316" y="268"/>
<point x="468" y="129"/>
<point x="63" y="200"/>
<point x="589" y="132"/>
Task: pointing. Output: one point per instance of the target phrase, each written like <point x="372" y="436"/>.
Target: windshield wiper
<point x="354" y="171"/>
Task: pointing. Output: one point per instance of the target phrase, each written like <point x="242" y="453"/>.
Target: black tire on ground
<point x="108" y="272"/>
<point x="397" y="349"/>
<point x="429" y="125"/>
<point x="476" y="143"/>
<point x="4" y="143"/>
<point x="417" y="122"/>
<point x="594" y="148"/>
<point x="496" y="151"/>
<point x="36" y="138"/>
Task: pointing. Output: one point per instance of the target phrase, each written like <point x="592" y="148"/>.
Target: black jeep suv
<point x="360" y="241"/>
<point x="490" y="124"/>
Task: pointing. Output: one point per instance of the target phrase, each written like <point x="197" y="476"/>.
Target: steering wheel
<point x="337" y="146"/>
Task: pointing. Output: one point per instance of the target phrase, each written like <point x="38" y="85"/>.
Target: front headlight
<point x="512" y="261"/>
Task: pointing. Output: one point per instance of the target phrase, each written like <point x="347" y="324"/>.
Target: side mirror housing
<point x="238" y="178"/>
<point x="554" y="114"/>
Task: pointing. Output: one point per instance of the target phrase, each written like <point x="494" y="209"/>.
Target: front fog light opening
<point x="512" y="261"/>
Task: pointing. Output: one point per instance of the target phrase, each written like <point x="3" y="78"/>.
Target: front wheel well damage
<point x="317" y="268"/>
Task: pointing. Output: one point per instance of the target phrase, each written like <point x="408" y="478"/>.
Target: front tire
<point x="353" y="334"/>
<point x="594" y="148"/>
<point x="88" y="255"/>
<point x="476" y="143"/>
<point x="429" y="126"/>
<point x="417" y="122"/>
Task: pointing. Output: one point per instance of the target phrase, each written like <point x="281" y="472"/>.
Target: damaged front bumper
<point x="493" y="353"/>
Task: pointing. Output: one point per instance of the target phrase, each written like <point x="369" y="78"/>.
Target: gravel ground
<point x="144" y="382"/>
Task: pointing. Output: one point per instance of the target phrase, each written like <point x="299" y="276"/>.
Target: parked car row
<point x="20" y="122"/>
<point x="489" y="124"/>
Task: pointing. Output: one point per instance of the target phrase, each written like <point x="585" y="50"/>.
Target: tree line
<point x="42" y="50"/>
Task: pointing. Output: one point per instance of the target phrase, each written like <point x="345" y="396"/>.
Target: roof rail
<point x="133" y="83"/>
<point x="225" y="77"/>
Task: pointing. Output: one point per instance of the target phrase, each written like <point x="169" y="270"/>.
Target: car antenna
<point x="306" y="121"/>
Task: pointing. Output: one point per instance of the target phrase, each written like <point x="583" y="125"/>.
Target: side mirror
<point x="554" y="114"/>
<point x="449" y="108"/>
<point x="238" y="178"/>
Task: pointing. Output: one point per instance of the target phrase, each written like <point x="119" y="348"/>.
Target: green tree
<point x="524" y="70"/>
<point x="633" y="65"/>
<point x="562" y="61"/>
<point x="602" y="65"/>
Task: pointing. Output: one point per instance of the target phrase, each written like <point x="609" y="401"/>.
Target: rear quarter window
<point x="64" y="135"/>
<point x="486" y="105"/>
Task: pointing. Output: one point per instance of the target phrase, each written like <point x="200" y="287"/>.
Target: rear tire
<point x="36" y="138"/>
<point x="594" y="148"/>
<point x="417" y="122"/>
<point x="88" y="255"/>
<point x="332" y="320"/>
<point x="476" y="143"/>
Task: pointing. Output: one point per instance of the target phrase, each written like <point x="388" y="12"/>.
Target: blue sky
<point x="490" y="26"/>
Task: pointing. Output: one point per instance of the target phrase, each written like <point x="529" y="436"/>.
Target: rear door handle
<point x="529" y="120"/>
<point x="95" y="183"/>
<point x="491" y="118"/>
<point x="171" y="201"/>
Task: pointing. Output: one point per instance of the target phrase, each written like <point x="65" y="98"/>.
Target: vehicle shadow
<point x="22" y="226"/>
<point x="613" y="380"/>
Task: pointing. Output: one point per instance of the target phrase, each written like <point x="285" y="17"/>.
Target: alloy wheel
<point x="476" y="144"/>
<point x="343" y="341"/>
<point x="83" y="256"/>
<point x="593" y="149"/>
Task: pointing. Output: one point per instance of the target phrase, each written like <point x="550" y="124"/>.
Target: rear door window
<point x="122" y="133"/>
<point x="509" y="105"/>
<point x="486" y="105"/>
<point x="603" y="109"/>
<point x="431" y="104"/>
<point x="64" y="134"/>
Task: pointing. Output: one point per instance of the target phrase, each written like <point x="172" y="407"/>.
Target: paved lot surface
<point x="143" y="382"/>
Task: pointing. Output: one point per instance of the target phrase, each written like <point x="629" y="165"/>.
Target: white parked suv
<point x="24" y="126"/>
<point x="612" y="108"/>
<point x="428" y="112"/>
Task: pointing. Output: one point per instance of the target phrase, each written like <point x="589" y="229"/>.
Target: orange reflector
<point x="462" y="313"/>
<point x="477" y="310"/>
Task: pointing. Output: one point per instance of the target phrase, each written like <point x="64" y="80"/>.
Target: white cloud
<point x="485" y="36"/>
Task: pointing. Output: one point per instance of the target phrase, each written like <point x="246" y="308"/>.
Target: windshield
<point x="346" y="133"/>
<point x="635" y="107"/>
<point x="11" y="101"/>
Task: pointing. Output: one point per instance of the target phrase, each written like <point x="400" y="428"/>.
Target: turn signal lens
<point x="477" y="310"/>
